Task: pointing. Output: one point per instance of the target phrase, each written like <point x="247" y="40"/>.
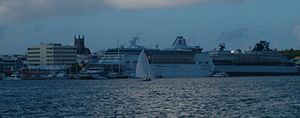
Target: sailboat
<point x="143" y="68"/>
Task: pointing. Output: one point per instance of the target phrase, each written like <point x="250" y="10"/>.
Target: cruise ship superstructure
<point x="261" y="60"/>
<point x="178" y="61"/>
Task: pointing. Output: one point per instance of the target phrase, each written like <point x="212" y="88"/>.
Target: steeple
<point x="79" y="44"/>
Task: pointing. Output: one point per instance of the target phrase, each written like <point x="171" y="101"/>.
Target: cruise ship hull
<point x="240" y="70"/>
<point x="181" y="70"/>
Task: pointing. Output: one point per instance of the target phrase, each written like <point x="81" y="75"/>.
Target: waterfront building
<point x="51" y="55"/>
<point x="8" y="63"/>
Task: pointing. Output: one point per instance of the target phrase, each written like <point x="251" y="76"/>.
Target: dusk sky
<point x="238" y="23"/>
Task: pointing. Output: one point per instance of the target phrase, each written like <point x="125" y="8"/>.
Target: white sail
<point x="143" y="68"/>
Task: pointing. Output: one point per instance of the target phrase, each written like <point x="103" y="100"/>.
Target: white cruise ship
<point x="178" y="61"/>
<point x="261" y="60"/>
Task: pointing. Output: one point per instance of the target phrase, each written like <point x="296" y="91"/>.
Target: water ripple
<point x="199" y="97"/>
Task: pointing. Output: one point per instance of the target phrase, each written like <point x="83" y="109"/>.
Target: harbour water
<point x="198" y="97"/>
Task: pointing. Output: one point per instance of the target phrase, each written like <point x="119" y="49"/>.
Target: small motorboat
<point x="13" y="77"/>
<point x="220" y="74"/>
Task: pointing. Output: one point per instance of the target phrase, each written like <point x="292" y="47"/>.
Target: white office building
<point x="51" y="55"/>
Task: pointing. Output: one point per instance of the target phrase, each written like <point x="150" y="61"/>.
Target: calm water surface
<point x="199" y="97"/>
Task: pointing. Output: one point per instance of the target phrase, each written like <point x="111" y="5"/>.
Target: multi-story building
<point x="8" y="63"/>
<point x="51" y="55"/>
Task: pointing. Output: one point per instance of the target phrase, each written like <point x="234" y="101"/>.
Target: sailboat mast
<point x="149" y="72"/>
<point x="119" y="59"/>
<point x="147" y="66"/>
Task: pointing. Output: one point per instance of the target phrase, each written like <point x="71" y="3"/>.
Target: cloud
<point x="142" y="4"/>
<point x="22" y="10"/>
<point x="297" y="32"/>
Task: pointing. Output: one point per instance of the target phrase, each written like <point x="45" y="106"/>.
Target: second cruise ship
<point x="261" y="60"/>
<point x="178" y="61"/>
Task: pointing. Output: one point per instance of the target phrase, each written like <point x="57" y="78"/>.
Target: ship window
<point x="200" y="63"/>
<point x="172" y="59"/>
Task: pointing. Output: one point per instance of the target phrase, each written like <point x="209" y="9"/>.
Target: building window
<point x="33" y="56"/>
<point x="33" y="49"/>
<point x="33" y="52"/>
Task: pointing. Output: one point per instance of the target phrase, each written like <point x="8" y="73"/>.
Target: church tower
<point x="79" y="44"/>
